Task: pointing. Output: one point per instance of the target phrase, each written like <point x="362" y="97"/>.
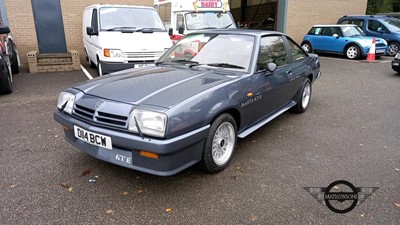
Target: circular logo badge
<point x="341" y="196"/>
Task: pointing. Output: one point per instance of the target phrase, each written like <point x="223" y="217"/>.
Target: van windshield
<point x="123" y="18"/>
<point x="209" y="20"/>
<point x="393" y="23"/>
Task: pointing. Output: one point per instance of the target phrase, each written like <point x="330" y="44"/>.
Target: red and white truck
<point x="181" y="17"/>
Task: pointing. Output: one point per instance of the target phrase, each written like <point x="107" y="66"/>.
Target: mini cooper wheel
<point x="304" y="98"/>
<point x="353" y="52"/>
<point x="220" y="144"/>
<point x="306" y="47"/>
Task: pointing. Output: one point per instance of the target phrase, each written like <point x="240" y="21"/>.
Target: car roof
<point x="335" y="25"/>
<point x="363" y="16"/>
<point x="240" y="31"/>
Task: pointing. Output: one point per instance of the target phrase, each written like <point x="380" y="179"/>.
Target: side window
<point x="297" y="53"/>
<point x="272" y="49"/>
<point x="374" y="25"/>
<point x="359" y="23"/>
<point x="165" y="14"/>
<point x="179" y="21"/>
<point x="328" y="31"/>
<point x="336" y="30"/>
<point x="345" y="22"/>
<point x="94" y="23"/>
<point x="318" y="31"/>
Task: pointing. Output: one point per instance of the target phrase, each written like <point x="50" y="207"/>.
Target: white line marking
<point x="354" y="61"/>
<point x="86" y="73"/>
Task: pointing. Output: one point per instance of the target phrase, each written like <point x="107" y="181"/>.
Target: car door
<point x="297" y="57"/>
<point x="328" y="42"/>
<point x="270" y="88"/>
<point x="377" y="29"/>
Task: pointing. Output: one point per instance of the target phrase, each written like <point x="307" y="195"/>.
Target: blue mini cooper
<point x="348" y="40"/>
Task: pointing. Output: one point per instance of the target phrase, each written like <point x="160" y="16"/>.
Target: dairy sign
<point x="210" y="3"/>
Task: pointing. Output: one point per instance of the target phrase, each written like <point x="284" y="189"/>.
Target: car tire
<point x="306" y="47"/>
<point x="5" y="82"/>
<point x="304" y="98"/>
<point x="393" y="48"/>
<point x="353" y="52"/>
<point x="14" y="58"/>
<point x="99" y="68"/>
<point x="220" y="144"/>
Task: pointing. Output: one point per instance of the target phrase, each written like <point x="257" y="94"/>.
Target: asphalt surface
<point x="349" y="132"/>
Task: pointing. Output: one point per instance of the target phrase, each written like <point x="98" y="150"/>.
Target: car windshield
<point x="123" y="18"/>
<point x="352" y="31"/>
<point x="209" y="20"/>
<point x="212" y="50"/>
<point x="393" y="23"/>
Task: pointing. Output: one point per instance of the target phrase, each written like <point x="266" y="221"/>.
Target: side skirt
<point x="253" y="128"/>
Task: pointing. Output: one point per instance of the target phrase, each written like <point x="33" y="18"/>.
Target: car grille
<point x="380" y="45"/>
<point x="100" y="117"/>
<point x="140" y="55"/>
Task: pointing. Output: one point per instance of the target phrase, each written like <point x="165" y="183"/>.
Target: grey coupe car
<point x="191" y="106"/>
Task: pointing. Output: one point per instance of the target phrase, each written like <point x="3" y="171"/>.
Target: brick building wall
<point x="303" y="14"/>
<point x="20" y="17"/>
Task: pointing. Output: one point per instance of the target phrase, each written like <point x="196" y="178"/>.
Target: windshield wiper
<point x="120" y="28"/>
<point x="227" y="26"/>
<point x="148" y="30"/>
<point x="225" y="65"/>
<point x="207" y="28"/>
<point x="185" y="61"/>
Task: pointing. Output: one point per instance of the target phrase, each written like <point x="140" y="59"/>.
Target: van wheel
<point x="393" y="48"/>
<point x="220" y="144"/>
<point x="99" y="69"/>
<point x="5" y="82"/>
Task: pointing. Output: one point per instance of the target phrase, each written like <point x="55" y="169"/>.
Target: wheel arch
<point x="231" y="111"/>
<point x="354" y="43"/>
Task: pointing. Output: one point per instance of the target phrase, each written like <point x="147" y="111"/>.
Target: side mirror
<point x="181" y="30"/>
<point x="271" y="67"/>
<point x="336" y="36"/>
<point x="4" y="30"/>
<point x="91" y="31"/>
<point x="170" y="31"/>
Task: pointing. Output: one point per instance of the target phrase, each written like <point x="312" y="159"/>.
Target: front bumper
<point x="396" y="65"/>
<point x="176" y="154"/>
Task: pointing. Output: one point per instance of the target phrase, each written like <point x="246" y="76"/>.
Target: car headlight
<point x="66" y="102"/>
<point x="149" y="122"/>
<point x="112" y="53"/>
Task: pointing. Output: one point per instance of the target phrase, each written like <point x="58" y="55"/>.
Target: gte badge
<point x="341" y="196"/>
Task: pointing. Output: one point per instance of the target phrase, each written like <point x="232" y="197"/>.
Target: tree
<point x="382" y="6"/>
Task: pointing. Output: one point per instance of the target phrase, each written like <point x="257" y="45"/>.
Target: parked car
<point x="348" y="40"/>
<point x="385" y="27"/>
<point x="396" y="63"/>
<point x="9" y="60"/>
<point x="164" y="118"/>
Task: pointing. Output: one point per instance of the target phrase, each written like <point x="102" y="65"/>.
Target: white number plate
<point x="380" y="51"/>
<point x="93" y="138"/>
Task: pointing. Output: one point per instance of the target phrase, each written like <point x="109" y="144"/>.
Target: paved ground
<point x="349" y="132"/>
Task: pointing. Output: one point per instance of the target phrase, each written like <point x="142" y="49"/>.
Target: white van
<point x="118" y="37"/>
